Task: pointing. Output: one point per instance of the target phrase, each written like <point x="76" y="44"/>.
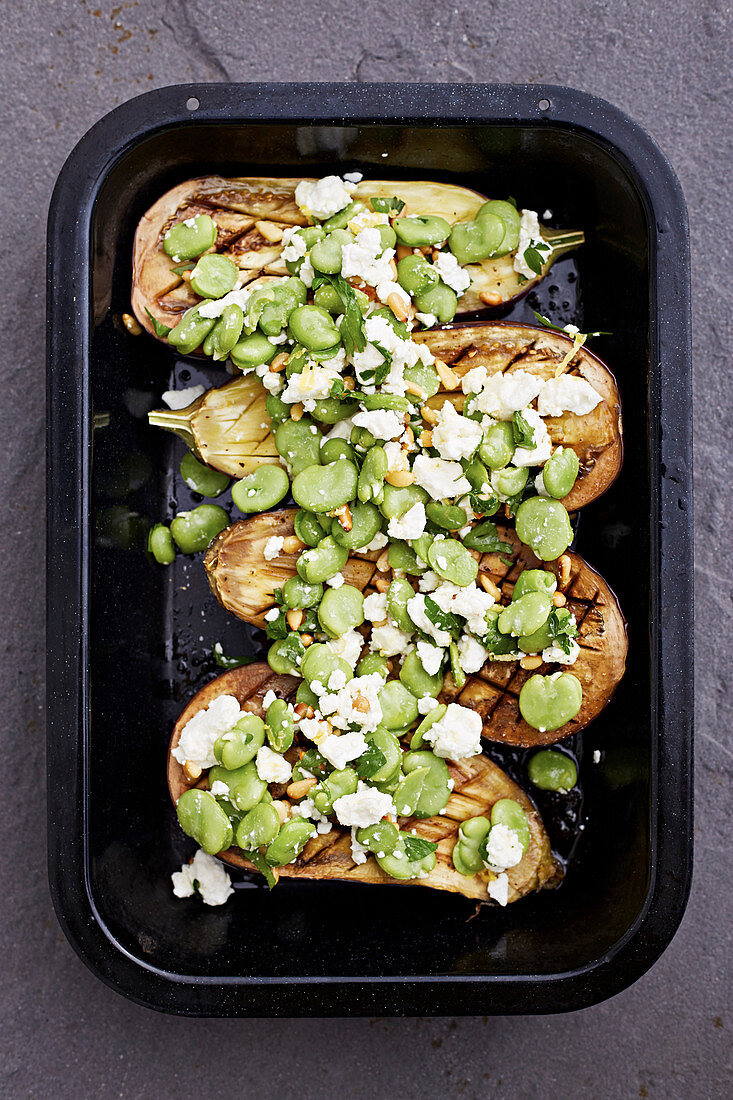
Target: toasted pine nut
<point x="426" y="438"/>
<point x="304" y="710"/>
<point x="300" y="788"/>
<point x="564" y="563"/>
<point x="390" y="665"/>
<point x="402" y="251"/>
<point x="382" y="622"/>
<point x="294" y="618"/>
<point x="447" y="375"/>
<point x="490" y="298"/>
<point x="409" y="437"/>
<point x="383" y="562"/>
<point x="191" y="771"/>
<point x="559" y="599"/>
<point x="131" y="324"/>
<point x="381" y="584"/>
<point x="343" y="515"/>
<point x="393" y="268"/>
<point x="349" y="383"/>
<point x="280" y="362"/>
<point x="361" y="704"/>
<point x="415" y="390"/>
<point x="488" y="586"/>
<point x="296" y="411"/>
<point x="531" y="661"/>
<point x="283" y="810"/>
<point x="397" y="305"/>
<point x="186" y="276"/>
<point x="400" y="478"/>
<point x="306" y="639"/>
<point x="270" y="231"/>
<point x="292" y="544"/>
<point x="429" y="415"/>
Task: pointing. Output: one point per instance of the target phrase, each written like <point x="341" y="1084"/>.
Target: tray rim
<point x="68" y="432"/>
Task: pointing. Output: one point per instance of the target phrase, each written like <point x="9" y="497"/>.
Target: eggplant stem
<point x="563" y="242"/>
<point x="174" y="420"/>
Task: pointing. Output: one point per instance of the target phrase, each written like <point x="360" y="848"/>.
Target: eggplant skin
<point x="243" y="582"/>
<point x="240" y="206"/>
<point x="478" y="784"/>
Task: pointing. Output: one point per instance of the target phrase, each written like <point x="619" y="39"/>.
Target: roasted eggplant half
<point x="478" y="784"/>
<point x="244" y="583"/>
<point x="251" y="214"/>
<point x="228" y="427"/>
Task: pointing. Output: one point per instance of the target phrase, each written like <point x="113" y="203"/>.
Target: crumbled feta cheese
<point x="457" y="735"/>
<point x="336" y="581"/>
<point x="341" y="430"/>
<point x="272" y="614"/>
<point x="272" y="767"/>
<point x="388" y="640"/>
<point x="539" y="484"/>
<point x="348" y="646"/>
<point x="382" y="423"/>
<point x="429" y="581"/>
<point x="387" y="289"/>
<point x="337" y="680"/>
<point x="379" y="542"/>
<point x="293" y="244"/>
<point x="366" y="259"/>
<point x="277" y="340"/>
<point x="323" y="198"/>
<point x="427" y="319"/>
<point x="426" y="704"/>
<point x="196" y="743"/>
<point x="529" y="235"/>
<point x="358" y="703"/>
<point x="452" y="274"/>
<point x="367" y="361"/>
<point x="504" y="848"/>
<point x="471" y="654"/>
<point x="181" y="399"/>
<point x="307" y="810"/>
<point x="555" y="655"/>
<point x="455" y="436"/>
<point x="313" y="383"/>
<point x="596" y="756"/>
<point x="339" y="750"/>
<point x="416" y="611"/>
<point x="238" y="297"/>
<point x="307" y="272"/>
<point x="474" y="380"/>
<point x="431" y="657"/>
<point x="440" y="478"/>
<point x="504" y="394"/>
<point x="214" y="883"/>
<point x="498" y="889"/>
<point x="365" y="807"/>
<point x="397" y="457"/>
<point x="269" y="699"/>
<point x="541" y="449"/>
<point x="219" y="789"/>
<point x="273" y="546"/>
<point x="375" y="607"/>
<point x="353" y="177"/>
<point x="359" y="852"/>
<point x="568" y="393"/>
<point x="470" y="602"/>
<point x="409" y="526"/>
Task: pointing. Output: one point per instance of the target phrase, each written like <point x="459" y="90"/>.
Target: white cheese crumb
<point x="196" y="743"/>
<point x="214" y="883"/>
<point x="568" y="393"/>
<point x="452" y="274"/>
<point x="339" y="750"/>
<point x="441" y="479"/>
<point x="273" y="546"/>
<point x="457" y="735"/>
<point x="498" y="889"/>
<point x="409" y="526"/>
<point x="181" y="399"/>
<point x="504" y="848"/>
<point x="454" y="435"/>
<point x="272" y="767"/>
<point x="323" y="198"/>
<point x="365" y="807"/>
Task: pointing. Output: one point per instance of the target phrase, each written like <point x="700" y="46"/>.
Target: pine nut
<point x="532" y="661"/>
<point x="400" y="478"/>
<point x="409" y="437"/>
<point x="270" y="231"/>
<point x="426" y="438"/>
<point x="349" y="383"/>
<point x="447" y="375"/>
<point x="383" y="562"/>
<point x="490" y="298"/>
<point x="402" y="251"/>
<point x="559" y="599"/>
<point x="488" y="586"/>
<point x="296" y="411"/>
<point x="429" y="415"/>
<point x="343" y="515"/>
<point x="280" y="362"/>
<point x="415" y="390"/>
<point x="397" y="305"/>
<point x="300" y="788"/>
<point x="306" y="639"/>
<point x="294" y="618"/>
<point x="304" y="710"/>
<point x="361" y="704"/>
<point x="283" y="810"/>
<point x="131" y="324"/>
<point x="393" y="269"/>
<point x="292" y="544"/>
<point x="382" y="584"/>
<point x="564" y="563"/>
<point x="191" y="771"/>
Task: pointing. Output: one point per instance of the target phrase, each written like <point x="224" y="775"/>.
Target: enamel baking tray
<point x="129" y="642"/>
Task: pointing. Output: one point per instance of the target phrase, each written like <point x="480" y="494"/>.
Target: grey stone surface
<point x="64" y="64"/>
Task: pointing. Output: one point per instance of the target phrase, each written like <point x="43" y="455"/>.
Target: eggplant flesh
<point x="243" y="582"/>
<point x="248" y="211"/>
<point x="478" y="784"/>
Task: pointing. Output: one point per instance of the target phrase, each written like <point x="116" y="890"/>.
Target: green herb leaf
<point x="522" y="430"/>
<point x="229" y="662"/>
<point x="352" y="329"/>
<point x="512" y="200"/>
<point x="279" y="628"/>
<point x="159" y="329"/>
<point x="385" y="206"/>
<point x="337" y="388"/>
<point x="278" y="597"/>
<point x="313" y="762"/>
<point x="562" y="628"/>
<point x="370" y="762"/>
<point x="416" y="847"/>
<point x="445" y="620"/>
<point x="184" y="267"/>
<point x="485" y="539"/>
<point x="484" y="506"/>
<point x="293" y="649"/>
<point x="258" y="860"/>
<point x="533" y="256"/>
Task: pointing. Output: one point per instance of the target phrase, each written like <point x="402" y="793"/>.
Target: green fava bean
<point x="341" y="610"/>
<point x="308" y="527"/>
<point x="440" y="300"/>
<point x="299" y="443"/>
<point x="417" y="680"/>
<point x="399" y="706"/>
<point x="402" y="557"/>
<point x="298" y="593"/>
<point x="453" y="562"/>
<point x="313" y="327"/>
<point x="260" y="826"/>
<point x="425" y="377"/>
<point x="451" y="517"/>
<point x="252" y="351"/>
<point x="342" y="219"/>
<point x="389" y="745"/>
<point x="326" y="253"/>
<point x="497" y="448"/>
<point x="279" y="726"/>
<point x="510" y="481"/>
<point x="497" y="643"/>
<point x="284" y="656"/>
<point x="245" y="786"/>
<point x="323" y="488"/>
<point x="548" y="702"/>
<point x="201" y="816"/>
<point x="334" y="449"/>
<point x="467" y="859"/>
<point x="305" y="695"/>
<point x="398" y="864"/>
<point x="321" y="662"/>
<point x="429" y="720"/>
<point x="470" y="242"/>
<point x="191" y="331"/>
<point x="161" y="545"/>
<point x="373" y="664"/>
<point x="382" y="838"/>
<point x="552" y="771"/>
<point x="525" y="615"/>
<point x="187" y="242"/>
<point x="366" y="521"/>
<point x="338" y="783"/>
<point x="387" y="236"/>
<point x="534" y="580"/>
<point x="213" y="276"/>
<point x="509" y="215"/>
<point x="508" y="812"/>
<point x="261" y="490"/>
<point x="373" y="472"/>
<point x="425" y="789"/>
<point x="202" y="479"/>
<point x="193" y="531"/>
<point x="536" y="641"/>
<point x="290" y="842"/>
<point x="362" y="438"/>
<point x="420" y="231"/>
<point x="329" y="410"/>
<point x="398" y="593"/>
<point x="478" y="476"/>
<point x="544" y="526"/>
<point x="560" y="471"/>
<point x="225" y="333"/>
<point x="322" y="562"/>
<point x="398" y="499"/>
<point x="416" y="275"/>
<point x="327" y="297"/>
<point x="241" y="744"/>
<point x="277" y="410"/>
